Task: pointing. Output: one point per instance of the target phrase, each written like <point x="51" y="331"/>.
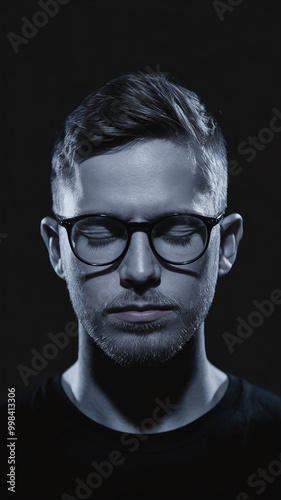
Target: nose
<point x="140" y="266"/>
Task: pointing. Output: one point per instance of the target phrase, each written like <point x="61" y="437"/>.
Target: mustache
<point x="128" y="297"/>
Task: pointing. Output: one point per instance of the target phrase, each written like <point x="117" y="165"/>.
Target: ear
<point x="231" y="234"/>
<point x="50" y="234"/>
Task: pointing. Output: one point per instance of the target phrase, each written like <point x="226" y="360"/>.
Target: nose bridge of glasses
<point x="134" y="227"/>
<point x="141" y="227"/>
<point x="142" y="247"/>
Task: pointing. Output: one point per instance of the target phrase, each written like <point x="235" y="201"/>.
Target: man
<point x="140" y="236"/>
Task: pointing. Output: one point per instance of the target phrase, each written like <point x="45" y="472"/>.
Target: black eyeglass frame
<point x="132" y="227"/>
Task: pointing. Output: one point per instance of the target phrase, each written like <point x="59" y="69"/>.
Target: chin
<point x="144" y="346"/>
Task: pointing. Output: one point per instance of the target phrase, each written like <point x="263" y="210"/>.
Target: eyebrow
<point x="145" y="219"/>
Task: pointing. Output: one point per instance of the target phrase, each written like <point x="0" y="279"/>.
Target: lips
<point x="135" y="314"/>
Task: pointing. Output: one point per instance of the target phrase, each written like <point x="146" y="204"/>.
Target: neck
<point x="126" y="398"/>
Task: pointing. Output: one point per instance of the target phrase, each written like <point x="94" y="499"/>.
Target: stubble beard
<point x="146" y="344"/>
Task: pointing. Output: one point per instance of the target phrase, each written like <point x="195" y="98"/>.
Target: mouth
<point x="134" y="313"/>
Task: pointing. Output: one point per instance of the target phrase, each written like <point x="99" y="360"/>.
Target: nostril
<point x="140" y="271"/>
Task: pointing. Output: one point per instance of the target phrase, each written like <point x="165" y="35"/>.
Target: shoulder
<point x="35" y="399"/>
<point x="261" y="403"/>
<point x="257" y="417"/>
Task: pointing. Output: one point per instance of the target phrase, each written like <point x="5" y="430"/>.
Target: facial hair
<point x="144" y="343"/>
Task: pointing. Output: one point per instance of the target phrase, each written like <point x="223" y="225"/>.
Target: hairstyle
<point x="134" y="107"/>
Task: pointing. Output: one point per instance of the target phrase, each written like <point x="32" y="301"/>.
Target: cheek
<point x="209" y="262"/>
<point x="100" y="289"/>
<point x="197" y="277"/>
<point x="74" y="269"/>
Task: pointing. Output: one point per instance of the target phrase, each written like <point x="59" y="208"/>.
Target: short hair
<point x="134" y="107"/>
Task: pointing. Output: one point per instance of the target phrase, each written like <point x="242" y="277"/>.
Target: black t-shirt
<point x="233" y="452"/>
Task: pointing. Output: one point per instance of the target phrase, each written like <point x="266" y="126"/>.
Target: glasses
<point x="100" y="240"/>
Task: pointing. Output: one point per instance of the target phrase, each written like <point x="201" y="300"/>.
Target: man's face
<point x="140" y="183"/>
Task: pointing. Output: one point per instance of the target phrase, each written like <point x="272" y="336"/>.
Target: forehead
<point x="142" y="181"/>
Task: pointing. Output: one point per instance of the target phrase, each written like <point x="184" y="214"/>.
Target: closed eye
<point x="100" y="241"/>
<point x="176" y="240"/>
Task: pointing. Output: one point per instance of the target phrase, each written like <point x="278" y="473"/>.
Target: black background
<point x="234" y="65"/>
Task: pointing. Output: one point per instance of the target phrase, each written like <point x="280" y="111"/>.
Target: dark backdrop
<point x="228" y="52"/>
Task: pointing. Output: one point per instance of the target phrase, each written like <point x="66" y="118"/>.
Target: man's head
<point x="135" y="107"/>
<point x="139" y="149"/>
